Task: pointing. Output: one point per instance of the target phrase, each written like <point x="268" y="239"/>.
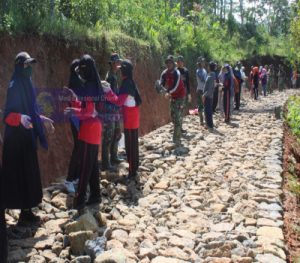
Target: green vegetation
<point x="294" y="185"/>
<point x="293" y="115"/>
<point x="219" y="29"/>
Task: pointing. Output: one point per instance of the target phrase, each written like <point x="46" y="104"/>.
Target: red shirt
<point x="131" y="115"/>
<point x="90" y="128"/>
<point x="171" y="79"/>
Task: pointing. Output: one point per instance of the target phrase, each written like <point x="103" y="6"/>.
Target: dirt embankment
<point x="51" y="72"/>
<point x="291" y="167"/>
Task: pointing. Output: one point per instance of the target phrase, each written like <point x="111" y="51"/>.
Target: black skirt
<point x="21" y="181"/>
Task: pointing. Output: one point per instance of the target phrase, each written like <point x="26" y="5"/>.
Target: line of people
<point x="218" y="88"/>
<point x="215" y="89"/>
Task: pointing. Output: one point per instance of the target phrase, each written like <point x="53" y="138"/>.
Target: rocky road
<point x="217" y="200"/>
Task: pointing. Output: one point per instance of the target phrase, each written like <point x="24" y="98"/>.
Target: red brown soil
<point x="54" y="57"/>
<point x="291" y="202"/>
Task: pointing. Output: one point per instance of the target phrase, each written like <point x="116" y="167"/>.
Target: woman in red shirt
<point x="130" y="100"/>
<point x="89" y="135"/>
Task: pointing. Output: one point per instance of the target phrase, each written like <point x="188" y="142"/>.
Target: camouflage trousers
<point x="281" y="84"/>
<point x="110" y="139"/>
<point x="200" y="101"/>
<point x="176" y="108"/>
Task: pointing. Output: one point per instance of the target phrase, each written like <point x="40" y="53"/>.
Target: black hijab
<point x="128" y="85"/>
<point x="75" y="83"/>
<point x="21" y="98"/>
<point x="92" y="83"/>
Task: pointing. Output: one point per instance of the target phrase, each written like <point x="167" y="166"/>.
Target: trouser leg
<point x="117" y="134"/>
<point x="94" y="181"/>
<point x="226" y="104"/>
<point x="132" y="150"/>
<point x="73" y="165"/>
<point x="88" y="154"/>
<point x="208" y="112"/>
<point x="215" y="98"/>
<point x="238" y="99"/>
<point x="177" y="116"/>
<point x="200" y="106"/>
<point x="108" y="129"/>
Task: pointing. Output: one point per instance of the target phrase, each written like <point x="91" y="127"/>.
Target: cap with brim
<point x="180" y="58"/>
<point x="114" y="58"/>
<point x="24" y="58"/>
<point x="170" y="58"/>
<point x="200" y="60"/>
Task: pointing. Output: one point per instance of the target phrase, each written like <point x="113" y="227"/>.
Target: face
<point x="115" y="66"/>
<point x="170" y="65"/>
<point x="180" y="64"/>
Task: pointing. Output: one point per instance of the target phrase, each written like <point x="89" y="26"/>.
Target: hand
<point x="69" y="94"/>
<point x="106" y="86"/>
<point x="26" y="121"/>
<point x="95" y="114"/>
<point x="167" y="96"/>
<point x="203" y="99"/>
<point x="189" y="98"/>
<point x="48" y="124"/>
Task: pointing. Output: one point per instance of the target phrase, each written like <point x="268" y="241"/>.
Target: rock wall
<point x="54" y="57"/>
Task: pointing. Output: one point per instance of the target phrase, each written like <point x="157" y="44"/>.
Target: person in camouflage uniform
<point x="186" y="81"/>
<point x="271" y="79"/>
<point x="281" y="78"/>
<point x="171" y="80"/>
<point x="111" y="120"/>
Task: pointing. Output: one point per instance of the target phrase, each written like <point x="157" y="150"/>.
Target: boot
<point x="114" y="159"/>
<point x="106" y="165"/>
<point x="27" y="218"/>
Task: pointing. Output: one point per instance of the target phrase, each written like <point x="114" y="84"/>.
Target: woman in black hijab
<point x="21" y="181"/>
<point x="130" y="100"/>
<point x="89" y="135"/>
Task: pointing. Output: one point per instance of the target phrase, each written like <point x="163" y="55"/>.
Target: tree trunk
<point x="242" y="11"/>
<point x="221" y="9"/>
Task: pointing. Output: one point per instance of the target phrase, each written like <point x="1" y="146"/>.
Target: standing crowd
<point x="98" y="111"/>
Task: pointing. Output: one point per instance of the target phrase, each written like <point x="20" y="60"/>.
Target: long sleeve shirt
<point x="185" y="78"/>
<point x="129" y="104"/>
<point x="209" y="85"/>
<point x="90" y="128"/>
<point x="201" y="78"/>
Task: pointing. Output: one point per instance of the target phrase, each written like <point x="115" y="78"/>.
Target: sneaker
<point x="76" y="182"/>
<point x="69" y="187"/>
<point x="116" y="160"/>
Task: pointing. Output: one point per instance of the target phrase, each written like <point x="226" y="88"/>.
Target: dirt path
<point x="218" y="202"/>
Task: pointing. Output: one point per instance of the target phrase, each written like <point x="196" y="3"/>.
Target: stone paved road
<point x="220" y="202"/>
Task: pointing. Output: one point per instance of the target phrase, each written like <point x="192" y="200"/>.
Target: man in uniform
<point x="171" y="80"/>
<point x="111" y="119"/>
<point x="185" y="78"/>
